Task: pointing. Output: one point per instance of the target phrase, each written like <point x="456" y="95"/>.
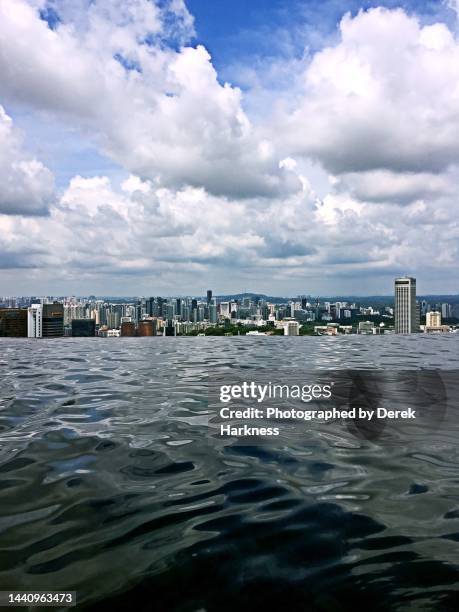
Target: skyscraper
<point x="13" y="322"/>
<point x="292" y="328"/>
<point x="209" y="296"/>
<point x="213" y="313"/>
<point x="160" y="301"/>
<point x="185" y="313"/>
<point x="53" y="320"/>
<point x="149" y="306"/>
<point x="446" y="311"/>
<point x="83" y="328"/>
<point x="35" y="321"/>
<point x="146" y="328"/>
<point x="406" y="311"/>
<point x="127" y="329"/>
<point x="433" y="319"/>
<point x="225" y="309"/>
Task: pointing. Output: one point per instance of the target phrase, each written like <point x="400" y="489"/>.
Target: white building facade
<point x="35" y="321"/>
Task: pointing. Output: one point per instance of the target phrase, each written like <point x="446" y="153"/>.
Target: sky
<point x="277" y="146"/>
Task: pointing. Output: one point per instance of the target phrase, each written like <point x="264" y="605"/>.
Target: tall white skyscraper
<point x="35" y="321"/>
<point x="225" y="309"/>
<point x="406" y="311"/>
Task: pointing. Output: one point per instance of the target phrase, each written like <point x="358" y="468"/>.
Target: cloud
<point x="347" y="177"/>
<point x="142" y="235"/>
<point x="159" y="112"/>
<point x="27" y="186"/>
<point x="398" y="187"/>
<point x="385" y="97"/>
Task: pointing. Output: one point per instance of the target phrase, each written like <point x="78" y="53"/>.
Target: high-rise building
<point x="169" y="311"/>
<point x="128" y="329"/>
<point x="446" y="311"/>
<point x="113" y="320"/>
<point x="146" y="328"/>
<point x="53" y="320"/>
<point x="151" y="307"/>
<point x="225" y="309"/>
<point x="406" y="311"/>
<point x="83" y="328"/>
<point x="170" y="329"/>
<point x="185" y="312"/>
<point x="35" y="321"/>
<point x="13" y="322"/>
<point x="433" y="319"/>
<point x="209" y="296"/>
<point x="160" y="302"/>
<point x="292" y="328"/>
<point x="212" y="313"/>
<point x="366" y="327"/>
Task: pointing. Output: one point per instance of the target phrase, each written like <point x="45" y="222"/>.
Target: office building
<point x="169" y="329"/>
<point x="113" y="319"/>
<point x="53" y="320"/>
<point x="127" y="329"/>
<point x="209" y="296"/>
<point x="185" y="313"/>
<point x="225" y="310"/>
<point x="151" y="307"/>
<point x="146" y="328"/>
<point x="83" y="328"/>
<point x="160" y="302"/>
<point x="446" y="311"/>
<point x="13" y="322"/>
<point x="292" y="328"/>
<point x="213" y="313"/>
<point x="169" y="311"/>
<point x="433" y="324"/>
<point x="35" y="321"/>
<point x="366" y="327"/>
<point x="433" y="319"/>
<point x="406" y="311"/>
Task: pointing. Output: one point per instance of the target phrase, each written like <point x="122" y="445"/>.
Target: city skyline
<point x="273" y="145"/>
<point x="251" y="314"/>
<point x="202" y="295"/>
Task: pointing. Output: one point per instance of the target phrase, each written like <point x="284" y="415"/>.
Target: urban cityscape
<point x="244" y="314"/>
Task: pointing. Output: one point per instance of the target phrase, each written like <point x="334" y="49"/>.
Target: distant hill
<point x="359" y="299"/>
<point x="374" y="300"/>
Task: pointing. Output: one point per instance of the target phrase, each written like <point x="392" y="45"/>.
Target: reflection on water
<point x="110" y="486"/>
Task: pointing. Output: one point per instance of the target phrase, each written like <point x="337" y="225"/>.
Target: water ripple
<point x="111" y="487"/>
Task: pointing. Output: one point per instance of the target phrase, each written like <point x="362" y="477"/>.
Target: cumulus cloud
<point x="385" y="97"/>
<point x="159" y="112"/>
<point x="216" y="191"/>
<point x="26" y="185"/>
<point x="144" y="236"/>
<point x="399" y="187"/>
